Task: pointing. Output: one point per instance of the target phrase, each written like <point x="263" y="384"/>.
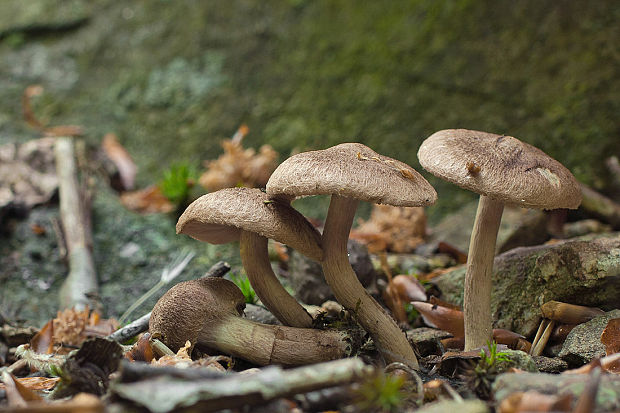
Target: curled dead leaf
<point x="611" y="337"/>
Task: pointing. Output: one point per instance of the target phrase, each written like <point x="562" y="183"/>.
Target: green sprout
<point x="177" y="182"/>
<point x="482" y="375"/>
<point x="381" y="392"/>
<point x="246" y="288"/>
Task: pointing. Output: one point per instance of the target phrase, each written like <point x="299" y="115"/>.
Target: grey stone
<point x="307" y="280"/>
<point x="550" y="364"/>
<point x="427" y="340"/>
<point x="583" y="343"/>
<point x="583" y="271"/>
<point x="607" y="397"/>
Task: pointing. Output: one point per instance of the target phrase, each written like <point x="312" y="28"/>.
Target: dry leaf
<point x="43" y="341"/>
<point x="532" y="401"/>
<point x="17" y="394"/>
<point x="32" y="120"/>
<point x="119" y="156"/>
<point x="147" y="201"/>
<point x="443" y="318"/>
<point x="72" y="327"/>
<point x="611" y="337"/>
<point x="409" y="288"/>
<point x="183" y="360"/>
<point x="36" y="383"/>
<point x="141" y="350"/>
<point x="238" y="166"/>
<point x="454" y="252"/>
<point x="389" y="228"/>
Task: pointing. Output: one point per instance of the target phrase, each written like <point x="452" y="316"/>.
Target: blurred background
<point x="172" y="79"/>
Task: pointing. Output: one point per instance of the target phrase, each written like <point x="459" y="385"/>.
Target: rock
<point x="550" y="364"/>
<point x="427" y="340"/>
<point x="583" y="343"/>
<point x="466" y="406"/>
<point x="584" y="271"/>
<point x="307" y="280"/>
<point x="607" y="397"/>
<point x="519" y="227"/>
<point x="42" y="15"/>
<point x="260" y="314"/>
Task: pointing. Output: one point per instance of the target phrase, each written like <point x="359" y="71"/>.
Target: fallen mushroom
<point x="503" y="170"/>
<point x="248" y="216"/>
<point x="557" y="312"/>
<point x="207" y="313"/>
<point x="352" y="172"/>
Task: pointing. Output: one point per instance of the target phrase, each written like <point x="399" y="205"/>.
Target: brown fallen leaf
<point x="454" y="252"/>
<point x="532" y="401"/>
<point x="119" y="156"/>
<point x="72" y="327"/>
<point x="238" y="166"/>
<point x="36" y="383"/>
<point x="17" y="394"/>
<point x="183" y="359"/>
<point x="443" y="318"/>
<point x="141" y="350"/>
<point x="149" y="200"/>
<point x="43" y="341"/>
<point x="80" y="403"/>
<point x="391" y="295"/>
<point x="30" y="118"/>
<point x="389" y="228"/>
<point x="611" y="337"/>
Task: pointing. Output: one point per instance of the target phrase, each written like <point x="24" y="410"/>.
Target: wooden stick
<point x="82" y="278"/>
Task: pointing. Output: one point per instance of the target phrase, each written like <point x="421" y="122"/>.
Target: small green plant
<point x="177" y="182"/>
<point x="482" y="375"/>
<point x="381" y="392"/>
<point x="246" y="288"/>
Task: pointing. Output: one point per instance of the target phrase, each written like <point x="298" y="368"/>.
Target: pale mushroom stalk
<point x="478" y="277"/>
<point x="255" y="259"/>
<point x="206" y="312"/>
<point x="387" y="336"/>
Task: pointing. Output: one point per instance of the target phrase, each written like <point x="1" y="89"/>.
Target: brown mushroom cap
<point x="195" y="304"/>
<point x="569" y="313"/>
<point x="218" y="217"/>
<point x="351" y="170"/>
<point x="500" y="167"/>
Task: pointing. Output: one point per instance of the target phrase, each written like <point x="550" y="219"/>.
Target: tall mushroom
<point x="248" y="216"/>
<point x="352" y="172"/>
<point x="503" y="170"/>
<point x="207" y="313"/>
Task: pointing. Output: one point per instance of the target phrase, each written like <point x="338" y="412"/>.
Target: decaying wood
<point x="82" y="278"/>
<point x="227" y="391"/>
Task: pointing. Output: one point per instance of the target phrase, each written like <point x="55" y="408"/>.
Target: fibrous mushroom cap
<point x="218" y="217"/>
<point x="501" y="167"/>
<point x="351" y="170"/>
<point x="190" y="306"/>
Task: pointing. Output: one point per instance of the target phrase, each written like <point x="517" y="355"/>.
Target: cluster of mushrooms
<point x="502" y="169"/>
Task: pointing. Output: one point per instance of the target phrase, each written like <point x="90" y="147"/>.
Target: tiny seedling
<point x="246" y="288"/>
<point x="482" y="375"/>
<point x="381" y="392"/>
<point x="177" y="182"/>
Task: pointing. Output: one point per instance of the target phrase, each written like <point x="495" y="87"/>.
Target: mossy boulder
<point x="584" y="271"/>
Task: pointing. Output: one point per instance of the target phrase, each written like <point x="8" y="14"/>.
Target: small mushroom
<point x="207" y="313"/>
<point x="503" y="170"/>
<point x="352" y="172"/>
<point x="248" y="216"/>
<point x="557" y="312"/>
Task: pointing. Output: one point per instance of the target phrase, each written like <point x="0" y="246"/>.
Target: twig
<point x="142" y="324"/>
<point x="230" y="391"/>
<point x="82" y="278"/>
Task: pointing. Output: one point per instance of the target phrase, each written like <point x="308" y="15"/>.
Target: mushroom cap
<point x="500" y="167"/>
<point x="351" y="170"/>
<point x="190" y="306"/>
<point x="569" y="313"/>
<point x="219" y="217"/>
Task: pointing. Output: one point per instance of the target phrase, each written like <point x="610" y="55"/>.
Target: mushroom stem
<point x="265" y="344"/>
<point x="255" y="259"/>
<point x="537" y="349"/>
<point x="478" y="278"/>
<point x="387" y="336"/>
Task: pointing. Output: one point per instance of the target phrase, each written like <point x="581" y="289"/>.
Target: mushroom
<point x="503" y="170"/>
<point x="557" y="312"/>
<point x="352" y="172"/>
<point x="207" y="313"/>
<point x="248" y="216"/>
